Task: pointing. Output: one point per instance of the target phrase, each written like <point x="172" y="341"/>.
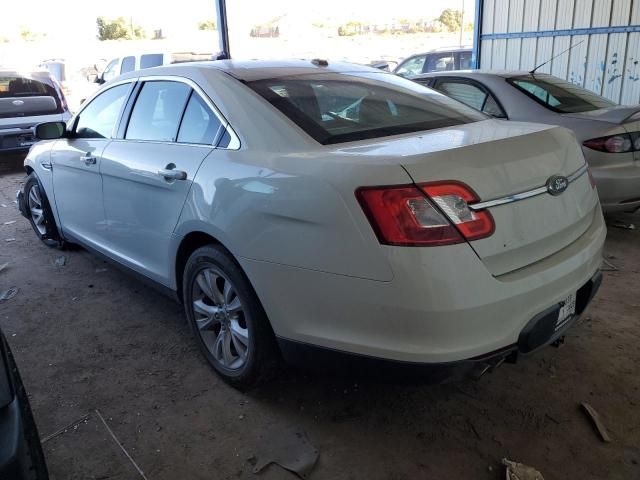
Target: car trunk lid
<point x="500" y="159"/>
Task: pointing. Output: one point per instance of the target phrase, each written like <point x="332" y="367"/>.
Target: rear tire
<point x="231" y="328"/>
<point x="40" y="213"/>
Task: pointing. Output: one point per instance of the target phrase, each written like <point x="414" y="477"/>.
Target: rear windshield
<point x="559" y="95"/>
<point x="335" y="108"/>
<point x="27" y="95"/>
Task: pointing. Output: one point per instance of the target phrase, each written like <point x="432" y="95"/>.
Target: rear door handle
<point x="88" y="159"/>
<point x="170" y="174"/>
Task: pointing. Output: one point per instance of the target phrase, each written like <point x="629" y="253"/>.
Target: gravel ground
<point x="88" y="337"/>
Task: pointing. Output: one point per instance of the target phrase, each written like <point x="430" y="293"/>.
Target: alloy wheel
<point x="220" y="318"/>
<point x="36" y="209"/>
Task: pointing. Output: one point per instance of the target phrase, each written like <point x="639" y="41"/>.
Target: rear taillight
<point x="621" y="143"/>
<point x="59" y="91"/>
<point x="428" y="214"/>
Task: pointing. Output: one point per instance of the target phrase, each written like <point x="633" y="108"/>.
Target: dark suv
<point x="442" y="59"/>
<point x="27" y="99"/>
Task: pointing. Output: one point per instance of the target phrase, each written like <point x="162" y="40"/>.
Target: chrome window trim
<point x="516" y="197"/>
<point x="234" y="143"/>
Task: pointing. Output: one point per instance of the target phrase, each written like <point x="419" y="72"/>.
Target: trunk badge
<point x="18" y="103"/>
<point x="557" y="184"/>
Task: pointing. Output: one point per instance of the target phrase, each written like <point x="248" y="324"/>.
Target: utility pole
<point x="462" y="23"/>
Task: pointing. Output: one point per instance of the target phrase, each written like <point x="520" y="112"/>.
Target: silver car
<point x="609" y="133"/>
<point x="305" y="206"/>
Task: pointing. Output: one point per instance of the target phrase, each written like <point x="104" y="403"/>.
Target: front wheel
<point x="39" y="213"/>
<point x="227" y="319"/>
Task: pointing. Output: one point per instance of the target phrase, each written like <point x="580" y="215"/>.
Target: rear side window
<point x="151" y="60"/>
<point x="559" y="95"/>
<point x="128" y="65"/>
<point x="465" y="60"/>
<point x="471" y="95"/>
<point x="199" y="124"/>
<point x="413" y="66"/>
<point x="98" y="118"/>
<point x="334" y="108"/>
<point x="157" y="111"/>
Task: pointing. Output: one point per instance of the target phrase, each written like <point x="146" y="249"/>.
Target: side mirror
<point x="50" y="130"/>
<point x="99" y="79"/>
<point x="92" y="78"/>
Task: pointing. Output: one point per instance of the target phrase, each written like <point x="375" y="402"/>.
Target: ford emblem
<point x="557" y="184"/>
<point x="18" y="103"/>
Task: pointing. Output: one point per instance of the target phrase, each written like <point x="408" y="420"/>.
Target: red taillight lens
<point x="426" y="215"/>
<point x="621" y="143"/>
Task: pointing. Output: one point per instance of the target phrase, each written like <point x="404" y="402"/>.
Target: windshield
<point x="559" y="95"/>
<point x="334" y="108"/>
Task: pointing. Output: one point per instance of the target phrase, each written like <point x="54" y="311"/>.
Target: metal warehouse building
<point x="604" y="36"/>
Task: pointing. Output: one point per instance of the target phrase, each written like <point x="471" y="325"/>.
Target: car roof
<point x="443" y="50"/>
<point x="250" y="70"/>
<point x="479" y="73"/>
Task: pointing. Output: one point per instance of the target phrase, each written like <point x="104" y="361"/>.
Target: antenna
<point x="532" y="72"/>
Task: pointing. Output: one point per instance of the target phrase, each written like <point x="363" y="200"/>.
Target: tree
<point x="452" y="19"/>
<point x="207" y="25"/>
<point x="118" y="29"/>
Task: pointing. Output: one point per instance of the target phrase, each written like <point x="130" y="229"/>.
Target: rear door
<point x="76" y="164"/>
<point x="149" y="170"/>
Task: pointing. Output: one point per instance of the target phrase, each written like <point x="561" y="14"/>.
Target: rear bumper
<point x="618" y="187"/>
<point x="442" y="305"/>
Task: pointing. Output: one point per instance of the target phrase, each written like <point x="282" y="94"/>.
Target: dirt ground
<point x="88" y="337"/>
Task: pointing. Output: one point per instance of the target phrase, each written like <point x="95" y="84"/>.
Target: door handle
<point x="88" y="159"/>
<point x="170" y="174"/>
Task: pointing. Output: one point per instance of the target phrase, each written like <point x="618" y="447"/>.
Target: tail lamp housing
<point x="619" y="143"/>
<point x="427" y="214"/>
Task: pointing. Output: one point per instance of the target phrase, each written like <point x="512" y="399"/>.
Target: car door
<point x="76" y="162"/>
<point x="148" y="171"/>
<point x="471" y="93"/>
<point x="439" y="62"/>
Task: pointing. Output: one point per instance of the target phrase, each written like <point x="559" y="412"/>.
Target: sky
<point x="77" y="17"/>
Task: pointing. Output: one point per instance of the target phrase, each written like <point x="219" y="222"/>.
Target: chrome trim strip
<point x="516" y="197"/>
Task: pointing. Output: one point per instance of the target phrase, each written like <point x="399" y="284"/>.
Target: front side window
<point x="559" y="95"/>
<point x="98" y="119"/>
<point x="413" y="66"/>
<point x="157" y="111"/>
<point x="334" y="108"/>
<point x="465" y="60"/>
<point x="199" y="124"/>
<point x="471" y="95"/>
<point x="440" y="62"/>
<point x="110" y="71"/>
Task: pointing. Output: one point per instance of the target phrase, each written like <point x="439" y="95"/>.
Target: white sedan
<point x="304" y="206"/>
<point x="609" y="133"/>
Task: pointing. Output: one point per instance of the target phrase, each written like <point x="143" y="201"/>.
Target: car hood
<point x="616" y="115"/>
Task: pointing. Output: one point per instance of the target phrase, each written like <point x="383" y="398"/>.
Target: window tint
<point x="100" y="116"/>
<point x="128" y="65"/>
<point x="439" y="62"/>
<point x="559" y="95"/>
<point x="199" y="124"/>
<point x="157" y="111"/>
<point x="151" y="60"/>
<point x="472" y="95"/>
<point x="335" y="108"/>
<point x="465" y="60"/>
<point x="110" y="71"/>
<point x="413" y="66"/>
<point x="36" y="92"/>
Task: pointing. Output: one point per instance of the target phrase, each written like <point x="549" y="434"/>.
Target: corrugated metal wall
<point x="520" y="34"/>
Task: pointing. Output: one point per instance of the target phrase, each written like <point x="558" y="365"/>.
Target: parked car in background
<point x="72" y="79"/>
<point x="27" y="99"/>
<point x="21" y="456"/>
<point x="305" y="206"/>
<point x="441" y="59"/>
<point x="129" y="63"/>
<point x="609" y="133"/>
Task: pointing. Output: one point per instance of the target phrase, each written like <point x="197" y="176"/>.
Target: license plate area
<point x="567" y="310"/>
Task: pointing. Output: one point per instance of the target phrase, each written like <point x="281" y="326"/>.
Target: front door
<point x="77" y="183"/>
<point x="148" y="173"/>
